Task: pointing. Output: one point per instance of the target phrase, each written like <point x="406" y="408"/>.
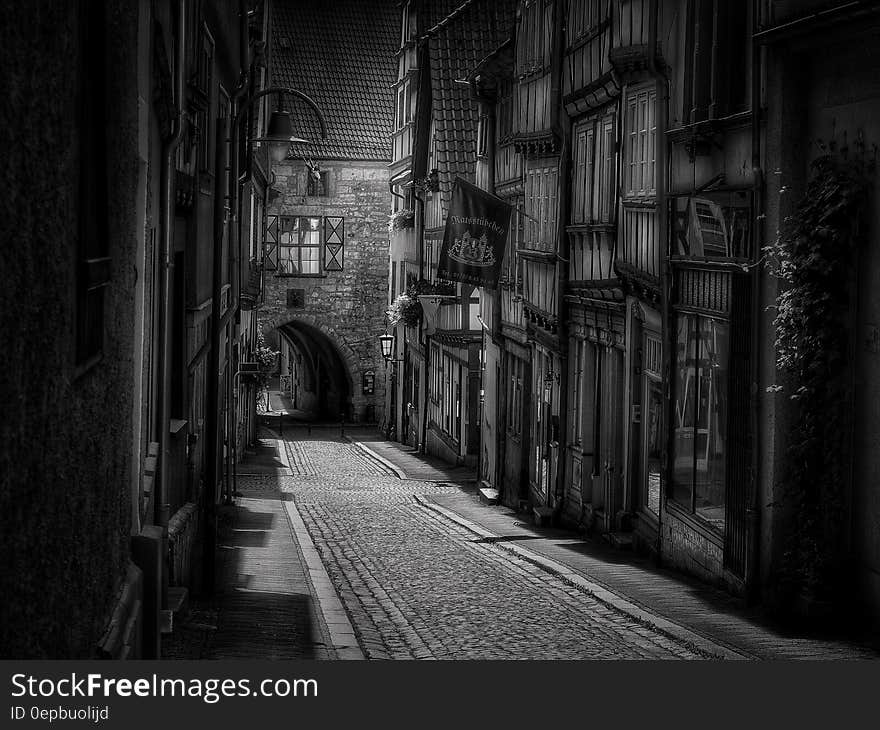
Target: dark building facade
<point x="132" y="288"/>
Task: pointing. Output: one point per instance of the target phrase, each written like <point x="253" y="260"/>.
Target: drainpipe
<point x="212" y="420"/>
<point x="562" y="126"/>
<point x="662" y="206"/>
<point x="161" y="506"/>
<point x="419" y="231"/>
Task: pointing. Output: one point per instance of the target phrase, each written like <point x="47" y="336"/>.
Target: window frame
<point x="403" y="114"/>
<point x="640" y="143"/>
<point x="541" y="204"/>
<point x="698" y="323"/>
<point x="534" y="42"/>
<point x="299" y="246"/>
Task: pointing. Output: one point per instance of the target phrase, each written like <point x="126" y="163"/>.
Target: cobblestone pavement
<point x="417" y="585"/>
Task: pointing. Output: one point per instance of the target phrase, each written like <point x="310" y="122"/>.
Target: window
<point x="405" y="30"/>
<point x="506" y="102"/>
<point x="582" y="185"/>
<point x="392" y="292"/>
<point x="712" y="225"/>
<point x="718" y="40"/>
<point x="533" y="46"/>
<point x="515" y="241"/>
<point x="577" y="426"/>
<point x="93" y="265"/>
<point x="540" y="204"/>
<point x="641" y="131"/>
<point x="299" y="246"/>
<point x="317" y="183"/>
<point x="436" y="373"/>
<point x="204" y="85"/>
<point x="483" y="126"/>
<point x="584" y="15"/>
<point x="515" y="383"/>
<point x="594" y="184"/>
<point x="403" y="112"/>
<point x="700" y="418"/>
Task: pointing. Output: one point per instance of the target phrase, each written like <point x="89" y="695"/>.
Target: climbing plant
<point x="816" y="257"/>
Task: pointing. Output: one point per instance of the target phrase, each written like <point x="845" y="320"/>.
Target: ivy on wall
<point x="816" y="257"/>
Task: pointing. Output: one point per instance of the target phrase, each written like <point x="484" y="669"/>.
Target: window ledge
<point x="695" y="523"/>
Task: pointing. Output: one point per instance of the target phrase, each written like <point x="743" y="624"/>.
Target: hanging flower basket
<point x="405" y="310"/>
<point x="401" y="219"/>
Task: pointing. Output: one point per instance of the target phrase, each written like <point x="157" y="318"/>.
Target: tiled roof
<point x="340" y="53"/>
<point x="456" y="45"/>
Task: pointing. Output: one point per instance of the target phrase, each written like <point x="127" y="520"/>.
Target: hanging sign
<point x="475" y="236"/>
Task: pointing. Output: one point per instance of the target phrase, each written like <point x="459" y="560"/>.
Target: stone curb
<point x="381" y="459"/>
<point x="597" y="591"/>
<point x="342" y="634"/>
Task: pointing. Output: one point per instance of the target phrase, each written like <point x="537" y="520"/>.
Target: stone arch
<point x="333" y="362"/>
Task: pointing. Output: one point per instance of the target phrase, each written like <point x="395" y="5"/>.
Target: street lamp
<point x="280" y="135"/>
<point x="386" y="342"/>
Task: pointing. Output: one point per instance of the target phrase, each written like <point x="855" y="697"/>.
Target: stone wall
<point x="688" y="549"/>
<point x="347" y="307"/>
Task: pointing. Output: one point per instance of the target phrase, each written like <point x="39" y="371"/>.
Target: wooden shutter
<point x="334" y="242"/>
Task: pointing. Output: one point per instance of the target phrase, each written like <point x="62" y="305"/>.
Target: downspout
<point x="662" y="223"/>
<point x="562" y="125"/>
<point x="161" y="506"/>
<point x="753" y="513"/>
<point x="235" y="267"/>
<point x="419" y="231"/>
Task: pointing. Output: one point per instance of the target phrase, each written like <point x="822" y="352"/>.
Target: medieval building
<point x="326" y="250"/>
<point x="649" y="151"/>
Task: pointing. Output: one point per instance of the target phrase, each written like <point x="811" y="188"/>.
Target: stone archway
<point x="341" y="349"/>
<point x="322" y="369"/>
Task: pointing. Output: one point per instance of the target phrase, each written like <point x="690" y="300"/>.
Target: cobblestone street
<point x="418" y="585"/>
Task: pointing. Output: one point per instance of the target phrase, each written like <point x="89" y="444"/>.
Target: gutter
<point x="218" y="321"/>
<point x="662" y="225"/>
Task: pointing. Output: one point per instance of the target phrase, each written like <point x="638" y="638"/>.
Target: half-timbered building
<point x="438" y="395"/>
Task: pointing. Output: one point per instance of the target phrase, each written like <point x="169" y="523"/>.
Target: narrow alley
<point x="440" y="330"/>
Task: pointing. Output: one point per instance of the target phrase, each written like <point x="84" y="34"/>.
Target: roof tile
<point x="340" y="53"/>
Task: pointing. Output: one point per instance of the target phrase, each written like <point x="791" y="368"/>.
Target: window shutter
<point x="270" y="255"/>
<point x="334" y="243"/>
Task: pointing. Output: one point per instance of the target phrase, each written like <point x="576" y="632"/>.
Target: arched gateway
<point x="322" y="374"/>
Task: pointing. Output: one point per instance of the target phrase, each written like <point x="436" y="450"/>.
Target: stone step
<point x="620" y="540"/>
<point x="488" y="495"/>
<point x="178" y="605"/>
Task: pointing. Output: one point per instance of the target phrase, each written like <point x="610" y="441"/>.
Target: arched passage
<point x="320" y="383"/>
